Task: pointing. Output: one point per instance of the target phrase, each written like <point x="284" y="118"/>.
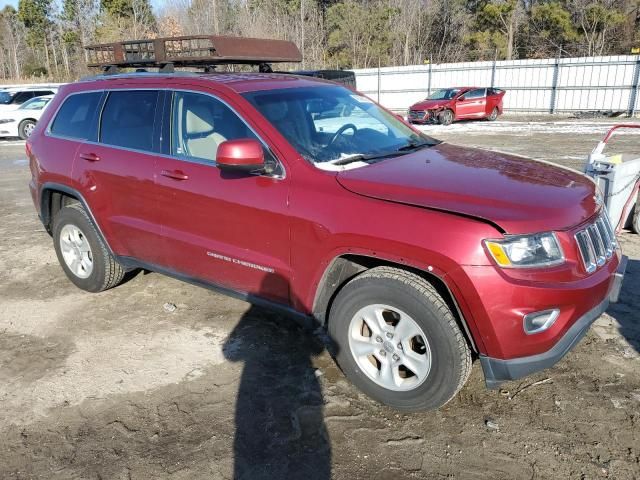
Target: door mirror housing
<point x="460" y="98"/>
<point x="241" y="155"/>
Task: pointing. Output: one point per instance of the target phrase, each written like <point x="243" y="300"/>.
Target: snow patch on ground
<point x="527" y="128"/>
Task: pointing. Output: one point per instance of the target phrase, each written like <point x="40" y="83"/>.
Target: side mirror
<point x="460" y="98"/>
<point x="241" y="155"/>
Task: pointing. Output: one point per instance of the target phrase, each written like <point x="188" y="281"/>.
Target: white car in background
<point x="12" y="97"/>
<point x="21" y="121"/>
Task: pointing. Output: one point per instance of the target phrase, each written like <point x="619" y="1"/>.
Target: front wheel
<point x="445" y="117"/>
<point x="398" y="341"/>
<point x="493" y="116"/>
<point x="25" y="129"/>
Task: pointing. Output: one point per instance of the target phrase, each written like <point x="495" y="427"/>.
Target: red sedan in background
<point x="447" y="105"/>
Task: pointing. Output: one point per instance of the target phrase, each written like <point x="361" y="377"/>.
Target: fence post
<point x="554" y="85"/>
<point x="379" y="80"/>
<point x="633" y="98"/>
<point x="493" y="69"/>
<point x="429" y="82"/>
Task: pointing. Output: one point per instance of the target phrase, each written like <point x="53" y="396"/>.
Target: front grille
<point x="418" y="115"/>
<point x="597" y="243"/>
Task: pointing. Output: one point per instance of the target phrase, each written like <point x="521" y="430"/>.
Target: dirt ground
<point x="115" y="386"/>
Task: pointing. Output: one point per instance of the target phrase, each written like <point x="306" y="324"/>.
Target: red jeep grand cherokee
<point x="303" y="195"/>
<point x="448" y="105"/>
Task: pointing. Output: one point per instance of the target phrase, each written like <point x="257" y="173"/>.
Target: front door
<point x="473" y="104"/>
<point x="228" y="229"/>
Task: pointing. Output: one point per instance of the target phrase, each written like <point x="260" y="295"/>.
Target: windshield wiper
<point x="361" y="157"/>
<point x="352" y="159"/>
<point x="413" y="145"/>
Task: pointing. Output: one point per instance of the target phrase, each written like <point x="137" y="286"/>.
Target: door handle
<point x="175" y="174"/>
<point x="89" y="157"/>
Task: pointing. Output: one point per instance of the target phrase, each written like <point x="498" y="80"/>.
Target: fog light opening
<point x="537" y="322"/>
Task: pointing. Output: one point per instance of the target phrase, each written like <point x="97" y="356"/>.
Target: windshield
<point x="5" y="98"/>
<point x="444" y="94"/>
<point x="37" y="103"/>
<point x="328" y="124"/>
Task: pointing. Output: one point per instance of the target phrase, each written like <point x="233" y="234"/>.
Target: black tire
<point x="25" y="128"/>
<point x="106" y="272"/>
<point x="494" y="115"/>
<point x="446" y="117"/>
<point x="450" y="354"/>
<point x="636" y="220"/>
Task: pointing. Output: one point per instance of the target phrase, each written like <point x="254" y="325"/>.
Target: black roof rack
<point x="204" y="51"/>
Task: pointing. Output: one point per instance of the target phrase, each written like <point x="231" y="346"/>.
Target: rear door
<point x="472" y="104"/>
<point x="116" y="172"/>
<point x="228" y="229"/>
<point x="494" y="100"/>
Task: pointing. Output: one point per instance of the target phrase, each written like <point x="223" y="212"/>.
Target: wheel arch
<point x="55" y="196"/>
<point x="347" y="266"/>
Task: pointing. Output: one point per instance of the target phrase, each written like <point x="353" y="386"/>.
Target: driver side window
<point x="200" y="123"/>
<point x="477" y="93"/>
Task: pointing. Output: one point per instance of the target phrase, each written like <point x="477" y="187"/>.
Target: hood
<point x="430" y="104"/>
<point x="518" y="194"/>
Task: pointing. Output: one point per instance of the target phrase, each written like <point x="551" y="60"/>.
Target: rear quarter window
<point x="76" y="116"/>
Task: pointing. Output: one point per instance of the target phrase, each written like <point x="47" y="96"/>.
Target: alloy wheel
<point x="389" y="347"/>
<point x="76" y="251"/>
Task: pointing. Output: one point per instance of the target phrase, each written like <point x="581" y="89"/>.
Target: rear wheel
<point x="25" y="129"/>
<point x="445" y="117"/>
<point x="81" y="252"/>
<point x="398" y="341"/>
<point x="493" y="116"/>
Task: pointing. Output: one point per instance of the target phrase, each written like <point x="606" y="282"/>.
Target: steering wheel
<point x="341" y="130"/>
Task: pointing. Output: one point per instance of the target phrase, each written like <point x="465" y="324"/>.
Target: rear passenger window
<point x="75" y="117"/>
<point x="127" y="119"/>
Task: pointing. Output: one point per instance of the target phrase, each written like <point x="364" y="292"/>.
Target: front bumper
<point x="498" y="370"/>
<point x="9" y="130"/>
<point x="423" y="117"/>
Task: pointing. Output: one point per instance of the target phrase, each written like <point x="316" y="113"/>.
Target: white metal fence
<point x="541" y="85"/>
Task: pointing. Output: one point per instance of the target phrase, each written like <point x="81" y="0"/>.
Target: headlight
<point x="7" y="120"/>
<point x="539" y="250"/>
